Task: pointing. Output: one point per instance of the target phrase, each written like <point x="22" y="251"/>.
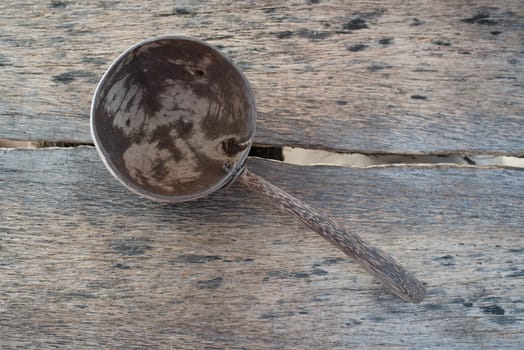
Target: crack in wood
<point x="309" y="157"/>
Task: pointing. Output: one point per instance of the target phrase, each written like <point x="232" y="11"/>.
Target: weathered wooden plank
<point x="369" y="76"/>
<point x="86" y="264"/>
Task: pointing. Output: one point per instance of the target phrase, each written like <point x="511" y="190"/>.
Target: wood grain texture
<point x="373" y="259"/>
<point x="86" y="264"/>
<point x="367" y="76"/>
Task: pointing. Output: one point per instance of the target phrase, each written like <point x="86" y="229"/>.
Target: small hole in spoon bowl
<point x="227" y="165"/>
<point x="199" y="73"/>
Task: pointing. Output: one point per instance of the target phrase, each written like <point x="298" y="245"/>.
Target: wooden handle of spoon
<point x="372" y="259"/>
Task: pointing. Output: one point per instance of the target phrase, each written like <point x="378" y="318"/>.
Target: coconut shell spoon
<point x="173" y="120"/>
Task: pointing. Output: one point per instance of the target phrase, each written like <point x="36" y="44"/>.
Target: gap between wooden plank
<point x="299" y="156"/>
<point x="309" y="157"/>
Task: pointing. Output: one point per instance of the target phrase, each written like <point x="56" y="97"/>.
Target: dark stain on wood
<point x="355" y="24"/>
<point x="467" y="304"/>
<point x="385" y="41"/>
<point x="416" y="22"/>
<point x="121" y="266"/>
<point x="211" y="283"/>
<point x="318" y="272"/>
<point x="434" y="307"/>
<point x="495" y="32"/>
<point x="352" y="322"/>
<point x="319" y="299"/>
<point x="276" y="314"/>
<point x="371" y="14"/>
<point x="277" y="274"/>
<point x="68" y="77"/>
<point x="4" y="61"/>
<point x="182" y="11"/>
<point x="11" y="171"/>
<point x="332" y="261"/>
<point x="238" y="260"/>
<point x="482" y="18"/>
<point x="357" y="47"/>
<point x="312" y="34"/>
<point x="130" y="246"/>
<point x="269" y="9"/>
<point x="300" y="274"/>
<point x="376" y="318"/>
<point x="78" y="295"/>
<point x="519" y="273"/>
<point x="375" y="67"/>
<point x="493" y="309"/>
<point x="177" y="11"/>
<point x="419" y="97"/>
<point x="58" y="4"/>
<point x="441" y="42"/>
<point x="304" y="33"/>
<point x="196" y="259"/>
<point x="359" y="21"/>
<point x="284" y="35"/>
<point x="504" y="321"/>
<point x="445" y="260"/>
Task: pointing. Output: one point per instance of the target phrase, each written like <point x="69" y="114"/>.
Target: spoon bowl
<point x="173" y="119"/>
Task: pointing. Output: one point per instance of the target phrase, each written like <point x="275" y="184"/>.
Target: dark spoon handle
<point x="372" y="259"/>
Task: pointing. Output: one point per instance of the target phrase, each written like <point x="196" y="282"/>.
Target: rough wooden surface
<point x="86" y="264"/>
<point x="372" y="76"/>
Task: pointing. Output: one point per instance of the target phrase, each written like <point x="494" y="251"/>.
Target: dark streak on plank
<point x="196" y="259"/>
<point x="493" y="309"/>
<point x="211" y="283"/>
<point x="130" y="246"/>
